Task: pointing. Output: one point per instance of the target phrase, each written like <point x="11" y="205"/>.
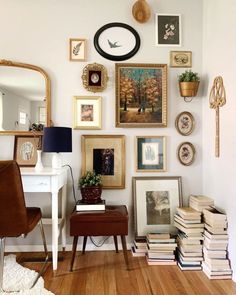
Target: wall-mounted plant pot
<point x="188" y="89"/>
<point x="91" y="195"/>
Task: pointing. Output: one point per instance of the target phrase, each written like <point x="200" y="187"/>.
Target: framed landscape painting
<point x="141" y="95"/>
<point x="105" y="154"/>
<point x="155" y="201"/>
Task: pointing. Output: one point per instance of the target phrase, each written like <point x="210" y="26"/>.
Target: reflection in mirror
<point x="24" y="98"/>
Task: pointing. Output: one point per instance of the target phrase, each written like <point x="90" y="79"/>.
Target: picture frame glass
<point x="168" y="29"/>
<point x="185" y="123"/>
<point x="155" y="202"/>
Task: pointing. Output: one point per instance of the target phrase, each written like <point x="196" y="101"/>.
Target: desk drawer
<point x="36" y="184"/>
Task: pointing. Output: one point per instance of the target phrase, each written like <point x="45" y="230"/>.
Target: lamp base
<point x="56" y="161"/>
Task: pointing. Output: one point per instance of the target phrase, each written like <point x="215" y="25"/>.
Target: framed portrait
<point x="95" y="77"/>
<point x="87" y="112"/>
<point x="150" y="153"/>
<point x="77" y="49"/>
<point x="141" y="95"/>
<point x="186" y="153"/>
<point x="168" y="29"/>
<point x="105" y="154"/>
<point x="185" y="123"/>
<point x="25" y="150"/>
<point x="117" y="41"/>
<point x="181" y="59"/>
<point x="155" y="201"/>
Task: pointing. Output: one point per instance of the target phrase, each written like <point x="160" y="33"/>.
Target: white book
<point x="212" y="230"/>
<point x="188" y="225"/>
<point x="215" y="236"/>
<point x="187" y="230"/>
<point x="80" y="206"/>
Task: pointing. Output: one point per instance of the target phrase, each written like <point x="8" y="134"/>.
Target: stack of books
<point x="215" y="264"/>
<point x="161" y="249"/>
<point x="189" y="239"/>
<point x="139" y="247"/>
<point x="200" y="202"/>
<point x="81" y="206"/>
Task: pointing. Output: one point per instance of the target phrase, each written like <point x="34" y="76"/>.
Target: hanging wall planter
<point x="188" y="84"/>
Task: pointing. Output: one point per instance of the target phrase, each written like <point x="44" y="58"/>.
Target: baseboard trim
<point x="234" y="277"/>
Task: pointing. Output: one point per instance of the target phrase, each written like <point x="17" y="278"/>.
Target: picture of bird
<point x="76" y="48"/>
<point x="113" y="45"/>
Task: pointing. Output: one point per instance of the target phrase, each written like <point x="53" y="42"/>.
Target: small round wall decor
<point x="185" y="123"/>
<point x="186" y="153"/>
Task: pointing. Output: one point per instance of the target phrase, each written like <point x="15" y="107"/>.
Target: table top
<point x="49" y="171"/>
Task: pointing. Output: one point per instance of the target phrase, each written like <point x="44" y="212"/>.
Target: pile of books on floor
<point x="161" y="249"/>
<point x="139" y="247"/>
<point x="82" y="206"/>
<point x="189" y="239"/>
<point x="215" y="265"/>
<point x="199" y="203"/>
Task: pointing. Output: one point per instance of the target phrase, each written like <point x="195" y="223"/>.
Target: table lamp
<point x="57" y="140"/>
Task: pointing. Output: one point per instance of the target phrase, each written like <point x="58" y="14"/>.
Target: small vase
<point x="39" y="164"/>
<point x="91" y="195"/>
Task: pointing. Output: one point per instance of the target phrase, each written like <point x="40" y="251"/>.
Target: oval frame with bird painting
<point x="117" y="41"/>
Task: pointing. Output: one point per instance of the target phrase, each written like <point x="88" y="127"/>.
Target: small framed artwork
<point x="106" y="155"/>
<point x="155" y="202"/>
<point x="181" y="59"/>
<point x="150" y="153"/>
<point x="25" y="150"/>
<point x="87" y="112"/>
<point x="186" y="153"/>
<point x="95" y="77"/>
<point x="77" y="49"/>
<point x="141" y="95"/>
<point x="185" y="123"/>
<point x="168" y="29"/>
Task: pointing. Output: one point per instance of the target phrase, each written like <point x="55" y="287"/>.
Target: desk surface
<point x="46" y="171"/>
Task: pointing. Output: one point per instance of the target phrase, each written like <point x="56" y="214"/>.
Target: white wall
<point x="38" y="32"/>
<point x="219" y="59"/>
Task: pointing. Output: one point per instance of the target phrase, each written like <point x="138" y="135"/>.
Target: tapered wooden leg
<point x="75" y="241"/>
<point x="123" y="241"/>
<point x="116" y="244"/>
<point x="84" y="244"/>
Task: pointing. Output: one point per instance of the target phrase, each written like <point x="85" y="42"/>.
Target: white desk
<point x="49" y="180"/>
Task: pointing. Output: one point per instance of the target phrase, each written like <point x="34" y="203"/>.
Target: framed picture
<point x="141" y="95"/>
<point x="155" y="202"/>
<point x="117" y="41"/>
<point x="25" y="150"/>
<point x="168" y="29"/>
<point x="106" y="155"/>
<point x="95" y="77"/>
<point x="185" y="123"/>
<point x="150" y="153"/>
<point x="77" y="49"/>
<point x="87" y="112"/>
<point x="181" y="59"/>
<point x="186" y="153"/>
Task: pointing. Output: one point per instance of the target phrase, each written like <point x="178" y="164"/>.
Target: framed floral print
<point x="168" y="29"/>
<point x="185" y="123"/>
<point x="77" y="49"/>
<point x="186" y="153"/>
<point x="180" y="59"/>
<point x="87" y="112"/>
<point x="150" y="153"/>
<point x="155" y="201"/>
<point x="94" y="77"/>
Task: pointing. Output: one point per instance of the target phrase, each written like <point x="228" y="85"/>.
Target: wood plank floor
<point x="104" y="273"/>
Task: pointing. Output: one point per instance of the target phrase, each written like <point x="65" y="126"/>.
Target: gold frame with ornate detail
<point x="95" y="77"/>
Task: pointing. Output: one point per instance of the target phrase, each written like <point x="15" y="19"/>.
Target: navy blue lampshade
<point x="57" y="140"/>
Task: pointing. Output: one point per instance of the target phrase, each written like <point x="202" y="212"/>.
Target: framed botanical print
<point x="150" y="153"/>
<point x="105" y="154"/>
<point x="87" y="112"/>
<point x="155" y="201"/>
<point x="77" y="49"/>
<point x="185" y="123"/>
<point x="168" y="29"/>
<point x="95" y="77"/>
<point x="141" y="95"/>
<point x="186" y="153"/>
<point x="25" y="150"/>
<point x="181" y="59"/>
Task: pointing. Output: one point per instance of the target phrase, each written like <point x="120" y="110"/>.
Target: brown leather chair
<point x="15" y="218"/>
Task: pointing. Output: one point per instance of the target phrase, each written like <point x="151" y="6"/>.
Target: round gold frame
<point x="100" y="72"/>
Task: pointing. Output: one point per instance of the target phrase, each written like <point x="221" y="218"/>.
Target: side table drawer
<point x="36" y="184"/>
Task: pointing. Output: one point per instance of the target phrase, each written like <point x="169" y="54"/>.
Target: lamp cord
<point x="101" y="243"/>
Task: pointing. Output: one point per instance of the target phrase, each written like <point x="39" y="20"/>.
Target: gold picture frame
<point x="78" y="49"/>
<point x="87" y="112"/>
<point x="95" y="77"/>
<point x="186" y="153"/>
<point x="106" y="155"/>
<point x="185" y="123"/>
<point x="180" y="59"/>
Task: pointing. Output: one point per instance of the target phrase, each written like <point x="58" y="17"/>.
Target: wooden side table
<point x="112" y="222"/>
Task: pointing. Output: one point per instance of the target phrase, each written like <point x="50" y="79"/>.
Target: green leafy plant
<point x="189" y="76"/>
<point x="90" y="178"/>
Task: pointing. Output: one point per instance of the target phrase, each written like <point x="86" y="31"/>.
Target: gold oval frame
<point x="98" y="70"/>
<point x="193" y="150"/>
<point x="192" y="122"/>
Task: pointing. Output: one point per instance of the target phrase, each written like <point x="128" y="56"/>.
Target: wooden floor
<point x="104" y="273"/>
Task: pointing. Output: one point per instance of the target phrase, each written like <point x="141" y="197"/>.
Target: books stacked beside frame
<point x="139" y="247"/>
<point x="189" y="239"/>
<point x="199" y="203"/>
<point x="216" y="265"/>
<point x="85" y="207"/>
<point x="161" y="249"/>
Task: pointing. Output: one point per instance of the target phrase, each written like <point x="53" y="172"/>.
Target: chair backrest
<point x="13" y="214"/>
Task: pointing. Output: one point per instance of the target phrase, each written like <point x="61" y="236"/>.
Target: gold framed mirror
<point x="25" y="98"/>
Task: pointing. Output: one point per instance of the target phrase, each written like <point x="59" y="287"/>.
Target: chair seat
<point x="33" y="217"/>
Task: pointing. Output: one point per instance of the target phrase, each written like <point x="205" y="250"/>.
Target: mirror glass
<point x="24" y="98"/>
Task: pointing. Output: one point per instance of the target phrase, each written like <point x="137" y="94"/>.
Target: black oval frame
<point x="115" y="57"/>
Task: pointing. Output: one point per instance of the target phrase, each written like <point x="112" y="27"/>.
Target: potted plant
<point x="91" y="187"/>
<point x="188" y="83"/>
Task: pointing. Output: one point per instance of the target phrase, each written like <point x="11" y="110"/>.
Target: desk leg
<point x="63" y="213"/>
<point x="123" y="241"/>
<point x="54" y="230"/>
